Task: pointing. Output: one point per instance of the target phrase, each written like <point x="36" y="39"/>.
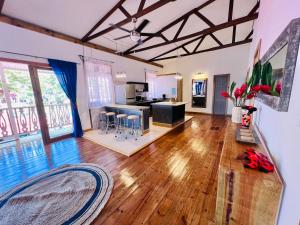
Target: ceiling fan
<point x="136" y="33"/>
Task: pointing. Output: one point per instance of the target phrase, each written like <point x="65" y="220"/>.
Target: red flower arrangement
<point x="225" y="94"/>
<point x="265" y="88"/>
<point x="245" y="92"/>
<point x="241" y="94"/>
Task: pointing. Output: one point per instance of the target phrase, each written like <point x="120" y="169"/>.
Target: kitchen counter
<point x="127" y="106"/>
<point x="170" y="103"/>
<point x="168" y="114"/>
<point x="142" y="111"/>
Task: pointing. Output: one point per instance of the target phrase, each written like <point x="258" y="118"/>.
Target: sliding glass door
<point x="32" y="104"/>
<point x="56" y="104"/>
<point x="18" y="113"/>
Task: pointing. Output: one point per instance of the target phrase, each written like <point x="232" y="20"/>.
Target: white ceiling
<point x="77" y="17"/>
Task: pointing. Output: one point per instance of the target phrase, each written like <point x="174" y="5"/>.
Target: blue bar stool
<point x="110" y="121"/>
<point x="121" y="124"/>
<point x="133" y="126"/>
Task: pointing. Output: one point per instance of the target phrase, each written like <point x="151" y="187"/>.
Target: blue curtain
<point x="66" y="73"/>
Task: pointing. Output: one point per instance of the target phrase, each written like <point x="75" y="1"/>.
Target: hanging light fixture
<point x="121" y="74"/>
<point x="200" y="76"/>
<point x="178" y="76"/>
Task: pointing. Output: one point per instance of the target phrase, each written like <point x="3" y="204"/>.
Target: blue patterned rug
<point x="72" y="194"/>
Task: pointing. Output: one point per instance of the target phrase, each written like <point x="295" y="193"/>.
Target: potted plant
<point x="261" y="81"/>
<point x="238" y="97"/>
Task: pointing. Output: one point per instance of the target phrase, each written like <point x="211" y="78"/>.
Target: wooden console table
<point x="245" y="196"/>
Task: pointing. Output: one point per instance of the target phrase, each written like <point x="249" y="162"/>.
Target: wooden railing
<point x="26" y="119"/>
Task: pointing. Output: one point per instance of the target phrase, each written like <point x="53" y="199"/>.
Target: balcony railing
<point x="26" y="119"/>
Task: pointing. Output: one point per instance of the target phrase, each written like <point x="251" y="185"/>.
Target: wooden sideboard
<point x="245" y="196"/>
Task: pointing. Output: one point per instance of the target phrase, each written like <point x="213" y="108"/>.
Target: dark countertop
<point x="145" y="102"/>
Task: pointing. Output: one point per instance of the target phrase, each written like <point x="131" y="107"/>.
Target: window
<point x="99" y="82"/>
<point x="150" y="79"/>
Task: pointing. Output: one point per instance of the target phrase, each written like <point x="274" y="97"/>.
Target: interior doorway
<point x="221" y="83"/>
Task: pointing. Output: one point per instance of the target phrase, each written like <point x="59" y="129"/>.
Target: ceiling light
<point x="121" y="75"/>
<point x="178" y="76"/>
<point x="135" y="36"/>
<point x="200" y="76"/>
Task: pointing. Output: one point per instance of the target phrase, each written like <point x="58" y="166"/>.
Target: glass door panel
<point x="56" y="104"/>
<point x="19" y="113"/>
<point x="6" y="132"/>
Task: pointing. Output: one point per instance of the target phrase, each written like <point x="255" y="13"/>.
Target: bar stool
<point x="121" y="124"/>
<point x="102" y="120"/>
<point x="133" y="125"/>
<point x="110" y="120"/>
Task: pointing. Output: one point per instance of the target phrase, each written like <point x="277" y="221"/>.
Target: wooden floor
<point x="172" y="181"/>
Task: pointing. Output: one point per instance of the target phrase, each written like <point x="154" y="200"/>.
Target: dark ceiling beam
<point x="177" y="47"/>
<point x="250" y="34"/>
<point x="181" y="27"/>
<point x="230" y="11"/>
<point x="184" y="48"/>
<point x="65" y="37"/>
<point x="164" y="37"/>
<point x="216" y="39"/>
<point x="173" y="23"/>
<point x="105" y="17"/>
<point x="254" y="9"/>
<point x="124" y="11"/>
<point x="141" y="6"/>
<point x="199" y="43"/>
<point x="145" y="11"/>
<point x="233" y="33"/>
<point x="207" y="50"/>
<point x="207" y="21"/>
<point x="202" y="32"/>
<point x="1" y="6"/>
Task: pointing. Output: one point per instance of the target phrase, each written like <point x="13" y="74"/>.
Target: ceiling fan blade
<point x="142" y="25"/>
<point x="140" y="42"/>
<point x="118" y="27"/>
<point x="121" y="37"/>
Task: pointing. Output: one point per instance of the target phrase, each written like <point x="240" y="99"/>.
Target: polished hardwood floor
<point x="172" y="181"/>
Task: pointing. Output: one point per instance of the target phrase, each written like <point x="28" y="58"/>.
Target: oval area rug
<point x="72" y="194"/>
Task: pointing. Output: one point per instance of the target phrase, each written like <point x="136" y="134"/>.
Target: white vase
<point x="236" y="116"/>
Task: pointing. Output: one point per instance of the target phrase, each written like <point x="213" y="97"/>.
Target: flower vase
<point x="236" y="116"/>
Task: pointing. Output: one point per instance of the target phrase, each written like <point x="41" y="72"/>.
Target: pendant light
<point x="178" y="76"/>
<point x="119" y="74"/>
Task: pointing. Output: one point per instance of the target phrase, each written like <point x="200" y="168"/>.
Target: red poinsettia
<point x="243" y="88"/>
<point x="238" y="93"/>
<point x="256" y="88"/>
<point x="225" y="94"/>
<point x="278" y="87"/>
<point x="251" y="95"/>
<point x="265" y="88"/>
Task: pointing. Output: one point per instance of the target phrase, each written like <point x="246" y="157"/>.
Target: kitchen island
<point x="168" y="114"/>
<point x="142" y="111"/>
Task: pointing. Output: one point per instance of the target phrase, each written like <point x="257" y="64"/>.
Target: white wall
<point x="14" y="39"/>
<point x="233" y="61"/>
<point x="281" y="130"/>
<point x="164" y="85"/>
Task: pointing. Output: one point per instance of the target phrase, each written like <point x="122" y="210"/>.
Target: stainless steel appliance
<point x="127" y="93"/>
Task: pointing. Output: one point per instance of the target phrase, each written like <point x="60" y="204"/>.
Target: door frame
<point x="214" y="88"/>
<point x="35" y="81"/>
